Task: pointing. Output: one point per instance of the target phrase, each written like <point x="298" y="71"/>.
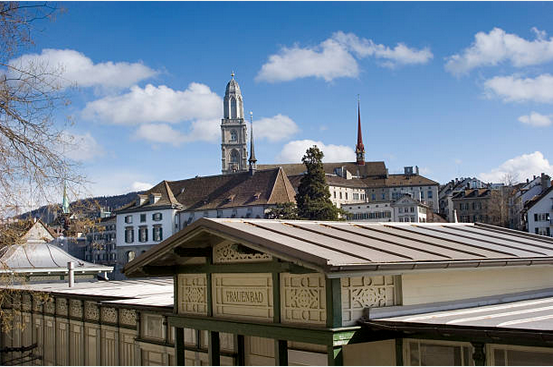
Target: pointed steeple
<point x="359" y="148"/>
<point x="65" y="202"/>
<point x="253" y="161"/>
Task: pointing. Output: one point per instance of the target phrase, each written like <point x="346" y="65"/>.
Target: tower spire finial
<point x="252" y="161"/>
<point x="359" y="148"/>
<point x="232" y="74"/>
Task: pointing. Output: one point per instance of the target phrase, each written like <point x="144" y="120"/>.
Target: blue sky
<point x="459" y="89"/>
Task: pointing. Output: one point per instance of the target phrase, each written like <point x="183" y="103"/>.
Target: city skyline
<point x="151" y="79"/>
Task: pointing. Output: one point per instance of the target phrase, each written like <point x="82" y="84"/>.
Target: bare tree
<point x="32" y="163"/>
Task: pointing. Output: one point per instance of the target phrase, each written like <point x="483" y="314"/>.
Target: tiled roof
<point x="396" y="180"/>
<point x="350" y="246"/>
<point x="268" y="186"/>
<point x="472" y="194"/>
<point x="530" y="203"/>
<point x="369" y="169"/>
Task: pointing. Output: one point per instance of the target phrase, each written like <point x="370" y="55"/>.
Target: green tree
<point x="313" y="198"/>
<point x="283" y="211"/>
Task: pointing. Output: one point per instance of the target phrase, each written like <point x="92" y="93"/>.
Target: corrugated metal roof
<point x="41" y="257"/>
<point x="535" y="314"/>
<point x="351" y="246"/>
<point x="143" y="292"/>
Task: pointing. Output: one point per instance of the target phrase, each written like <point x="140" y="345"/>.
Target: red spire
<point x="359" y="148"/>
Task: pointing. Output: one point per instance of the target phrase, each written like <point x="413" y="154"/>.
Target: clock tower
<point x="233" y="130"/>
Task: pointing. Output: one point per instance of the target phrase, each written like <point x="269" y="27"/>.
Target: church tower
<point x="360" y="147"/>
<point x="233" y="130"/>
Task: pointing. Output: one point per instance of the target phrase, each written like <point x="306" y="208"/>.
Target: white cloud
<point x="334" y="58"/>
<point x="536" y="119"/>
<point x="80" y="148"/>
<point x="76" y="68"/>
<point x="521" y="167"/>
<point x="293" y="151"/>
<point x="399" y="55"/>
<point x="497" y="46"/>
<point x="141" y="186"/>
<point x="274" y="128"/>
<point x="516" y="89"/>
<point x="154" y="107"/>
<point x="156" y="104"/>
<point x="328" y="61"/>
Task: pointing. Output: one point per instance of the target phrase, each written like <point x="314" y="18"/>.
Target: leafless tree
<point x="32" y="163"/>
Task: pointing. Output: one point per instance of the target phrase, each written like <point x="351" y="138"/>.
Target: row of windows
<point x="411" y="219"/>
<point x="475" y="206"/>
<point x="541" y="217"/>
<point x="375" y="215"/>
<point x="545" y="231"/>
<point x="155" y="217"/>
<point x="157" y="234"/>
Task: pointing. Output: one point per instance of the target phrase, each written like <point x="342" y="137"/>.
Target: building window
<point x="346" y="195"/>
<point x="340" y="195"/>
<point x="373" y="197"/>
<point x="129" y="234"/>
<point x="422" y="194"/>
<point x="234" y="157"/>
<point x="383" y="196"/>
<point x="233" y="135"/>
<point x="143" y="234"/>
<point x="128" y="219"/>
<point x="412" y="209"/>
<point x="429" y="194"/>
<point x="142" y="218"/>
<point x="437" y="353"/>
<point x="157" y="217"/>
<point x="219" y="213"/>
<point x="158" y="233"/>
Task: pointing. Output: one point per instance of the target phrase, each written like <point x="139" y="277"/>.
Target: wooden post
<point x="281" y="353"/>
<point x="241" y="349"/>
<point x="333" y="303"/>
<point x="335" y="356"/>
<point x="281" y="346"/>
<point x="179" y="346"/>
<point x="214" y="349"/>
<point x="479" y="355"/>
<point x="399" y="352"/>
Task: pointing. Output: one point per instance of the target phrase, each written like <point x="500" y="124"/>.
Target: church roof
<point x="369" y="169"/>
<point x="232" y="87"/>
<point x="265" y="187"/>
<point x="343" y="247"/>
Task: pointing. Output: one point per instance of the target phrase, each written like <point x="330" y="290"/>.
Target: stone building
<point x="481" y="205"/>
<point x="172" y="205"/>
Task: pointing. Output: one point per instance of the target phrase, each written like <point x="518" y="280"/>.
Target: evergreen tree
<point x="313" y="198"/>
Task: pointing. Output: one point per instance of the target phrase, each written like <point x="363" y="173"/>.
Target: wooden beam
<point x="192" y="252"/>
<point x="333" y="303"/>
<point x="214" y="349"/>
<point x="179" y="346"/>
<point x="315" y="335"/>
<point x="264" y="267"/>
<point x="159" y="270"/>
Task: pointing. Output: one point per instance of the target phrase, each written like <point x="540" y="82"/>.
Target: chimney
<point x="71" y="274"/>
<point x="545" y="182"/>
